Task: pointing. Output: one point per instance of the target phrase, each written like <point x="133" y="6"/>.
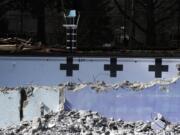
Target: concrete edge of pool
<point x="120" y="53"/>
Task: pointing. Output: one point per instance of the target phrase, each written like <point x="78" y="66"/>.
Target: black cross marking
<point x="69" y="67"/>
<point x="158" y="68"/>
<point x="113" y="67"/>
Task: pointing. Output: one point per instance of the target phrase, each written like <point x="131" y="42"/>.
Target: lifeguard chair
<point x="71" y="25"/>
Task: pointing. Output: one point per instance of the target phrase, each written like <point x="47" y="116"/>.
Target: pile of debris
<point x="14" y="44"/>
<point x="101" y="86"/>
<point x="89" y="123"/>
<point x="19" y="45"/>
<point x="15" y="40"/>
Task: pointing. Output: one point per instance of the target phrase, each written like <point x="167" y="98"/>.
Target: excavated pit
<point x="40" y="105"/>
<point x="37" y="101"/>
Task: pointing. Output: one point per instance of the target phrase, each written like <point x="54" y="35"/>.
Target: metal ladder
<point x="71" y="25"/>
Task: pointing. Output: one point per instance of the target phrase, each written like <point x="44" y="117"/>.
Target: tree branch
<point x="128" y="17"/>
<point x="170" y="6"/>
<point x="141" y="3"/>
<point x="5" y="2"/>
<point x="155" y="2"/>
<point x="167" y="17"/>
<point x="159" y="5"/>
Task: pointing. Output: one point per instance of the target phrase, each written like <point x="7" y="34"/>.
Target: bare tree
<point x="154" y="12"/>
<point x="5" y="5"/>
<point x="178" y="23"/>
<point x="37" y="9"/>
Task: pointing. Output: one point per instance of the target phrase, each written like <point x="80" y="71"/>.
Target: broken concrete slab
<point x="70" y="122"/>
<point x="25" y="103"/>
<point x="48" y="96"/>
<point x="121" y="103"/>
<point x="9" y="106"/>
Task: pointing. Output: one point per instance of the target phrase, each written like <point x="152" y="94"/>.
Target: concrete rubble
<point x="73" y="122"/>
<point x="101" y="86"/>
<point x="89" y="123"/>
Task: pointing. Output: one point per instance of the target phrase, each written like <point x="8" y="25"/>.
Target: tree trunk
<point x="133" y="29"/>
<point x="22" y="22"/>
<point x="178" y="23"/>
<point x="125" y="25"/>
<point x="151" y="26"/>
<point x="22" y="17"/>
<point x="41" y="32"/>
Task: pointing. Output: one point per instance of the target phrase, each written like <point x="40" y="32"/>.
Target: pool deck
<point x="78" y="53"/>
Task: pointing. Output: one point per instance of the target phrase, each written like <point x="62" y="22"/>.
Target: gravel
<point x="89" y="123"/>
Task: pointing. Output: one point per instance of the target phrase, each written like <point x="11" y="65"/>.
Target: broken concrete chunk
<point x="161" y="118"/>
<point x="143" y="127"/>
<point x="158" y="125"/>
<point x="51" y="125"/>
<point x="29" y="91"/>
<point x="36" y="124"/>
<point x="88" y="122"/>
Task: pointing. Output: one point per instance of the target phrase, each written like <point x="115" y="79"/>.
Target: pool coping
<point x="121" y="53"/>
